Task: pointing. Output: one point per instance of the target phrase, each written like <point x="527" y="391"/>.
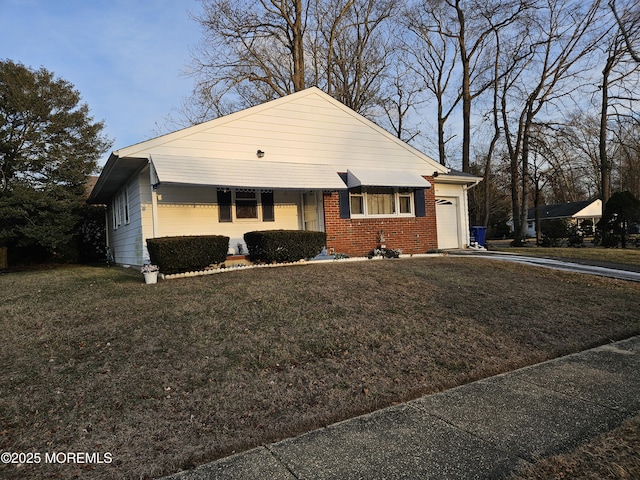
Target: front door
<point x="310" y="211"/>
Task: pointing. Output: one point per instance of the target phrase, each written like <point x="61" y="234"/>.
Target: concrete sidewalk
<point x="486" y="429"/>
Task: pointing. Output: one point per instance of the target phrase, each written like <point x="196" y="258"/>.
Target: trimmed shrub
<point x="554" y="231"/>
<point x="185" y="254"/>
<point x="280" y="246"/>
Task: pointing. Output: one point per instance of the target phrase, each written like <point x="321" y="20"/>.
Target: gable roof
<point x="305" y="128"/>
<point x="562" y="210"/>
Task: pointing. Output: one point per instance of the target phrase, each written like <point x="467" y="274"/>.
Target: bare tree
<point x="435" y="56"/>
<point x="628" y="20"/>
<point x="361" y="54"/>
<point x="473" y="25"/>
<point x="257" y="43"/>
<point x="580" y="135"/>
<point x="618" y="93"/>
<point x="257" y="50"/>
<point x="626" y="175"/>
<point x="402" y="96"/>
<point x="561" y="35"/>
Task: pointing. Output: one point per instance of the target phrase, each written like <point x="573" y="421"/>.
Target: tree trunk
<point x="298" y="49"/>
<point x="605" y="163"/>
<point x="441" y="139"/>
<point x="466" y="92"/>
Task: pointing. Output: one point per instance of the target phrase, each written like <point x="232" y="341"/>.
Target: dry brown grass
<point x="176" y="374"/>
<point x="613" y="455"/>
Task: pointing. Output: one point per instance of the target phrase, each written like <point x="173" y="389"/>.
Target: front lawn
<point x="172" y="375"/>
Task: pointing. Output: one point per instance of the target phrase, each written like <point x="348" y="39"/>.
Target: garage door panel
<point x="447" y="222"/>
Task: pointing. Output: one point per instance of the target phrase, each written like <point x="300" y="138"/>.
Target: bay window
<point x="381" y="202"/>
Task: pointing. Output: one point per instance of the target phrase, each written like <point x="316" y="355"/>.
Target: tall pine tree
<point x="49" y="145"/>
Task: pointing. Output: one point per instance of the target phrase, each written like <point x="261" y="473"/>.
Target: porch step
<point x="234" y="260"/>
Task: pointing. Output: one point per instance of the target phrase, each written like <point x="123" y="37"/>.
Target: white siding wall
<point x="309" y="128"/>
<point x="126" y="240"/>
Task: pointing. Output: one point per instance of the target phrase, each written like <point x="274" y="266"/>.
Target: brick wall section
<point x="358" y="236"/>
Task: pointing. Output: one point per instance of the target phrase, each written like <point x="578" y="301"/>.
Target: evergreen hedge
<point x="281" y="246"/>
<point x="185" y="254"/>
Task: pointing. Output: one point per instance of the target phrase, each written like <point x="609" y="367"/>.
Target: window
<point x="404" y="201"/>
<point x="357" y="202"/>
<point x="120" y="209"/>
<point x="384" y="202"/>
<point x="124" y="205"/>
<point x="380" y="201"/>
<point x="246" y="204"/>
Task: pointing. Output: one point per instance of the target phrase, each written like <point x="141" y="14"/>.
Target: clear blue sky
<point x="126" y="57"/>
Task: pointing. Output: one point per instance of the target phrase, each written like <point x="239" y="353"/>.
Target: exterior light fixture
<point x="260" y="153"/>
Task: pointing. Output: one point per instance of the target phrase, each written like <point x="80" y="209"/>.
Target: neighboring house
<point x="304" y="161"/>
<point x="575" y="212"/>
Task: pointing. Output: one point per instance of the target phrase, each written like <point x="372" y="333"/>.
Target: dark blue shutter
<point x="268" y="211"/>
<point x="343" y="197"/>
<point x="419" y="201"/>
<point x="224" y="206"/>
<point x="345" y="209"/>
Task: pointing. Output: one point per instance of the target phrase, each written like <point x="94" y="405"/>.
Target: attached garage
<point x="451" y="213"/>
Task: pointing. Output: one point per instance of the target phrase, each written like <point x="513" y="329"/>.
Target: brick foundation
<point x="359" y="236"/>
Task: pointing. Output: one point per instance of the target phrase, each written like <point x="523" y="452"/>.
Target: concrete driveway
<point x="569" y="266"/>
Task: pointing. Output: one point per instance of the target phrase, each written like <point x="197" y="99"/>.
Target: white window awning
<point x="218" y="172"/>
<point x="385" y="178"/>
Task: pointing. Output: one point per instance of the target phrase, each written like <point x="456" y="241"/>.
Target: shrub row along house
<point x="301" y="162"/>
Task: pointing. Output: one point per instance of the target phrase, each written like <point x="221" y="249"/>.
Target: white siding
<point x="125" y="242"/>
<point x="308" y="127"/>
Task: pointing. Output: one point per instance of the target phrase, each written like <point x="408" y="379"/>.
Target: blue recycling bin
<point x="479" y="235"/>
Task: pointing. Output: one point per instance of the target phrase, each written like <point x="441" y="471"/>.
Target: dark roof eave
<point x="114" y="175"/>
<point x="459" y="177"/>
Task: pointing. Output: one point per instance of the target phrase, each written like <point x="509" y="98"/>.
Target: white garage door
<point x="447" y="222"/>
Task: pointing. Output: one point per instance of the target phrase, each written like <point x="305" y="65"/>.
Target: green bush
<point x="185" y="254"/>
<point x="554" y="231"/>
<point x="576" y="237"/>
<point x="587" y="227"/>
<point x="284" y="245"/>
<point x="621" y="211"/>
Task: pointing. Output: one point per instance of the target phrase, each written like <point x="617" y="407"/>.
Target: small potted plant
<point x="150" y="273"/>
